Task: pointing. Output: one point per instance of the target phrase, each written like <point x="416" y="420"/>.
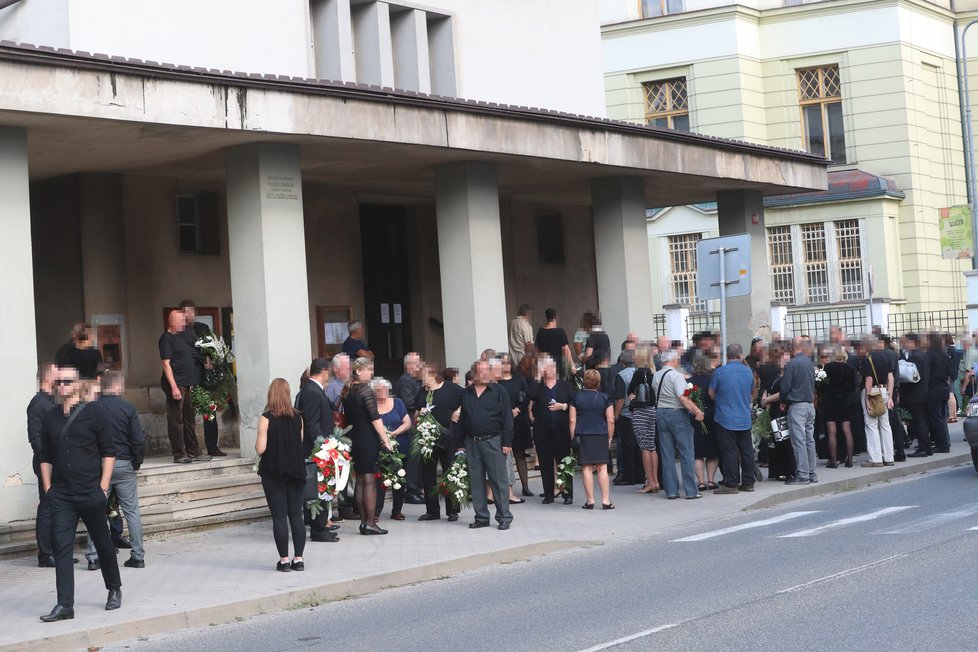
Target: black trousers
<point x="552" y="445"/>
<point x="630" y="455"/>
<point x="285" y="503"/>
<point x="429" y="478"/>
<point x="734" y="444"/>
<point x="66" y="509"/>
<point x="382" y="498"/>
<point x="919" y="428"/>
<point x="42" y="521"/>
<point x="210" y="435"/>
<point x="938" y="423"/>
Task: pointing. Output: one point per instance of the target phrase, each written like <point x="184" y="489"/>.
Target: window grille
<point x="816" y="270"/>
<point x="782" y="264"/>
<point x="850" y="260"/>
<point x="682" y="270"/>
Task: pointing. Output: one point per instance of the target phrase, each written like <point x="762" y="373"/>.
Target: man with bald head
<point x="180" y="373"/>
<point x="798" y="393"/>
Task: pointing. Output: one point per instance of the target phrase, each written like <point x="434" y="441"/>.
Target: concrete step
<point x="194" y="490"/>
<point x="156" y="473"/>
<point x="166" y="512"/>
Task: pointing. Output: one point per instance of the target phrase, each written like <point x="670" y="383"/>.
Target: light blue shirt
<point x="732" y="384"/>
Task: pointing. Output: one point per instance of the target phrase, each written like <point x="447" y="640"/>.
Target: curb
<point x="286" y="601"/>
<point x="860" y="482"/>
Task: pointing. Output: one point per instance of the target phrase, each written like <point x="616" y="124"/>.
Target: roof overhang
<point x="94" y="113"/>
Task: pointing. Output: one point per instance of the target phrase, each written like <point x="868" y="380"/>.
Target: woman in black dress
<point x="705" y="443"/>
<point x="283" y="472"/>
<point x="840" y="379"/>
<point x="368" y="435"/>
<point x="443" y="398"/>
<point x="781" y="457"/>
<point x="592" y="420"/>
<point x="519" y="399"/>
<point x="551" y="399"/>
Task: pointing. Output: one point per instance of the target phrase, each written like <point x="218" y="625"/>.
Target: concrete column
<point x="18" y="346"/>
<point x="677" y="322"/>
<point x="879" y="314"/>
<point x="103" y="269"/>
<point x="779" y="320"/>
<point x="620" y="248"/>
<point x="742" y="211"/>
<point x="332" y="40"/>
<point x="971" y="279"/>
<point x="471" y="261"/>
<point x="268" y="273"/>
<point x="409" y="36"/>
<point x="372" y="44"/>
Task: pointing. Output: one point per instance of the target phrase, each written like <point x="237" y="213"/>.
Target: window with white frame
<point x="682" y="270"/>
<point x="817" y="263"/>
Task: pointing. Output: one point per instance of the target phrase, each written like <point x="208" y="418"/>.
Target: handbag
<point x="875" y="405"/>
<point x="907" y="371"/>
<point x="311" y="490"/>
<point x="779" y="429"/>
<point x="642" y="392"/>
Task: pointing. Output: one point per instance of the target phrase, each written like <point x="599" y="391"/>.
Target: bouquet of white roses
<point x="333" y="466"/>
<point x="427" y="433"/>
<point x="390" y="467"/>
<point x="565" y="474"/>
<point x="455" y="483"/>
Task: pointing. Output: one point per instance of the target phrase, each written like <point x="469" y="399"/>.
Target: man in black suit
<point x="317" y="421"/>
<point x="193" y="331"/>
<point x="39" y="405"/>
<point x="913" y="396"/>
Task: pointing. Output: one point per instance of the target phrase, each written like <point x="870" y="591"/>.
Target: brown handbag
<point x="875" y="405"/>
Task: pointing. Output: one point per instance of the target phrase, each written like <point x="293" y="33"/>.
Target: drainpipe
<point x="6" y="3"/>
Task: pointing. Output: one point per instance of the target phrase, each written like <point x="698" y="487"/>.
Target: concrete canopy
<point x="94" y="113"/>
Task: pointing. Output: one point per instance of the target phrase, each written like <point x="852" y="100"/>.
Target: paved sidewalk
<point x="196" y="579"/>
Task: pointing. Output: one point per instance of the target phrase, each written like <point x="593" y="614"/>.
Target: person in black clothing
<point x="443" y="398"/>
<point x="552" y="340"/>
<point x="597" y="350"/>
<point x="550" y="400"/>
<point x="913" y="396"/>
<point x="194" y="331"/>
<point x="485" y="430"/>
<point x="77" y="456"/>
<point x="317" y="421"/>
<point x="897" y="430"/>
<point x="406" y="388"/>
<point x="42" y="402"/>
<point x="938" y="392"/>
<point x="519" y="398"/>
<point x="283" y="472"/>
<point x="369" y="437"/>
<point x="63" y="355"/>
<point x="130" y="446"/>
<point x="782" y="464"/>
<point x="840" y="378"/>
<point x="84" y="356"/>
<point x="179" y="376"/>
<point x="592" y="420"/>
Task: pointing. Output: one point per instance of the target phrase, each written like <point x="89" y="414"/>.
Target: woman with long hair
<point x="519" y="398"/>
<point x="368" y="435"/>
<point x="283" y="472"/>
<point x="781" y="457"/>
<point x="840" y="379"/>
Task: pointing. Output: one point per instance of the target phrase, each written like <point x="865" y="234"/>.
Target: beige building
<point x="869" y="84"/>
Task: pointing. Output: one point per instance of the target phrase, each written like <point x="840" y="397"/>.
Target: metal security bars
<point x="682" y="269"/>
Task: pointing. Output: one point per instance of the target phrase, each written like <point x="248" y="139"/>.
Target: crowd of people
<point x="627" y="417"/>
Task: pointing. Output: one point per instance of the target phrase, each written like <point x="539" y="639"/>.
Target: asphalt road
<point x="886" y="567"/>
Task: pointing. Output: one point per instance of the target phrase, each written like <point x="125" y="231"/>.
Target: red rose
<point x="378" y="475"/>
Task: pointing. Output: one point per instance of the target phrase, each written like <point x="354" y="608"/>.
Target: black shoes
<point x="324" y="536"/>
<point x="45" y="562"/>
<point x="502" y="526"/>
<point x="132" y="562"/>
<point x="414" y="499"/>
<point x="796" y="481"/>
<point x="452" y="518"/>
<point x="746" y="487"/>
<point x="527" y="493"/>
<point x="568" y="500"/>
<point x="372" y="529"/>
<point x="283" y="566"/>
<point x="217" y="452"/>
<point x="94" y="565"/>
<point x="475" y="525"/>
<point x="621" y="483"/>
<point x="548" y="500"/>
<point x="122" y="543"/>
<point x="297" y="565"/>
<point x="115" y="599"/>
<point x="186" y="459"/>
<point x="920" y="453"/>
<point x="607" y="505"/>
<point x="429" y="517"/>
<point x="832" y="465"/>
<point x="59" y="613"/>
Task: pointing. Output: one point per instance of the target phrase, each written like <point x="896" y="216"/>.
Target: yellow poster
<point x="955" y="229"/>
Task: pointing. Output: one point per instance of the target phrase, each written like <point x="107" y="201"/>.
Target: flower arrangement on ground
<point x="390" y="467"/>
<point x="566" y="468"/>
<point x="427" y="432"/>
<point x="903" y="414"/>
<point x="216" y="391"/>
<point x="456" y="483"/>
<point x="333" y="461"/>
<point x="695" y="394"/>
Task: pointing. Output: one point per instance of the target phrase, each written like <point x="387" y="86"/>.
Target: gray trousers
<point x="486" y="459"/>
<point x="124" y="483"/>
<point x="801" y="427"/>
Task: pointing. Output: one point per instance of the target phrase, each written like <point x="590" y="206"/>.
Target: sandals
<point x="701" y="487"/>
<point x="587" y="506"/>
<point x="607" y="506"/>
<point x="712" y="485"/>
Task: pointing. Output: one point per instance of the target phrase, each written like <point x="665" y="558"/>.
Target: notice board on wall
<point x="331" y="328"/>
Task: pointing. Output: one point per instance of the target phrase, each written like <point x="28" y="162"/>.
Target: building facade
<point x="869" y="84"/>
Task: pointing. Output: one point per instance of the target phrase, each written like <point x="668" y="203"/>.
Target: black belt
<point x="485" y="437"/>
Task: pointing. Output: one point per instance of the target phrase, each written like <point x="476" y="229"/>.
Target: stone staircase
<point x="173" y="497"/>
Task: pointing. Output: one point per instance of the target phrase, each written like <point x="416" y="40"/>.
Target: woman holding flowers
<point x="592" y="419"/>
<point x="397" y="422"/>
<point x="551" y="399"/>
<point x="369" y="436"/>
<point x="283" y="472"/>
<point x="437" y="402"/>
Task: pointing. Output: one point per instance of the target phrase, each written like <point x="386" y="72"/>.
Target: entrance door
<point x="386" y="286"/>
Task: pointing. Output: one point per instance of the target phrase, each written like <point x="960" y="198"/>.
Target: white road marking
<point x="933" y="520"/>
<point x="973" y="528"/>
<point x="744" y="526"/>
<point x="833" y="576"/>
<point x="633" y="637"/>
<point x="842" y="522"/>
